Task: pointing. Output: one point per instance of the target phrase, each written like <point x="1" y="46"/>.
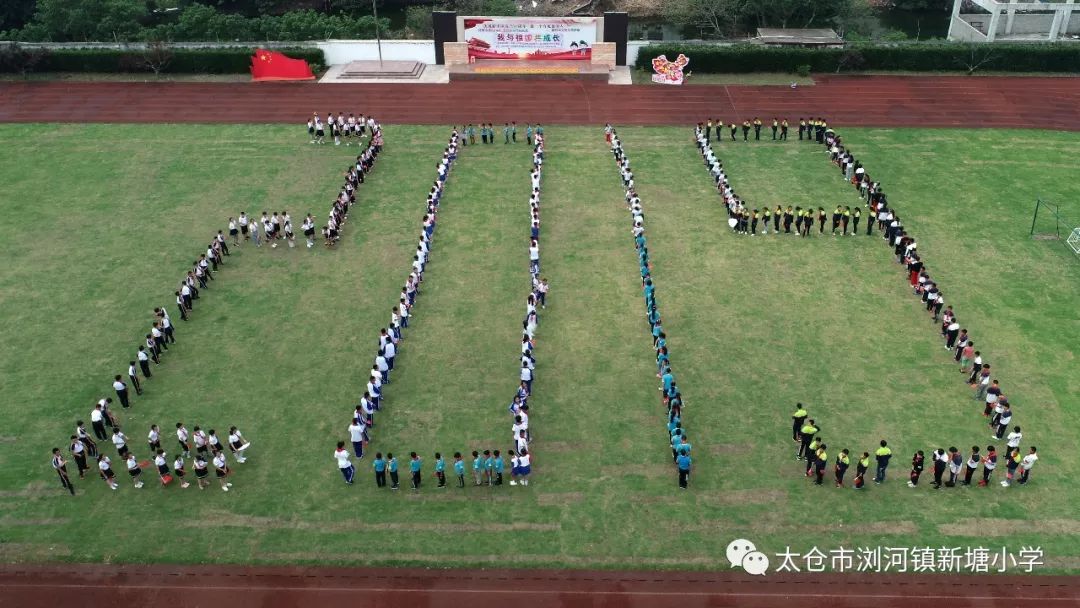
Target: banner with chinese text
<point x="532" y="38"/>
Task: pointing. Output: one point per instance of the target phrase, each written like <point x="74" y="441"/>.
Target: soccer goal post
<point x="1048" y="223"/>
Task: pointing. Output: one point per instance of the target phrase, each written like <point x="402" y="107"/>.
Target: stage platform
<point x="501" y="69"/>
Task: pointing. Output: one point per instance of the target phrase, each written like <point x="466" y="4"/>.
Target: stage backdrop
<point x="536" y="38"/>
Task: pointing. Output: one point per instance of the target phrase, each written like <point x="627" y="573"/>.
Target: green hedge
<point x="184" y="61"/>
<point x="920" y="57"/>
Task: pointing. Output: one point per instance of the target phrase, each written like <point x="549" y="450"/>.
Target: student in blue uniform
<point x="499" y="466"/>
<point x="459" y="469"/>
<point x="684" y="463"/>
<point x="414" y="468"/>
<point x="392" y="467"/>
<point x="440" y="469"/>
<point x="380" y="470"/>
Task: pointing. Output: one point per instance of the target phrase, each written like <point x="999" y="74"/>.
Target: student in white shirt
<point x="133" y="470"/>
<point x="238" y="445"/>
<point x="120" y="441"/>
<point x="1026" y="464"/>
<point x="178" y="468"/>
<point x="221" y="469"/>
<point x="182" y="439"/>
<point x="105" y="466"/>
<point x="358" y="435"/>
<point x="344" y="464"/>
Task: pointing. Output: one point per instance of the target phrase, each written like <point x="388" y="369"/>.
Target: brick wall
<point x="603" y="53"/>
<point x="456" y="53"/>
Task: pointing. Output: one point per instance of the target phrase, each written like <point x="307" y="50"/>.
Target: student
<point x="797" y="420"/>
<point x="916" y="468"/>
<point x="811" y="455"/>
<point x="1026" y="464"/>
<point x="78" y="452"/>
<point x="414" y="467"/>
<point x="843" y="461"/>
<point x="989" y="463"/>
<point x="60" y="466"/>
<point x="134" y="377"/>
<point x="684" y="464"/>
<point x="344" y="464"/>
<point x="972" y="465"/>
<point x="883" y="454"/>
<point x="1003" y="420"/>
<point x="179" y="471"/>
<point x="440" y="464"/>
<point x="488" y="464"/>
<point x="1012" y="463"/>
<point x="221" y="469"/>
<point x="134" y="470"/>
<point x="121" y="391"/>
<point x="357" y="432"/>
<point x="498" y="467"/>
<point x="956" y="463"/>
<point x="821" y="459"/>
<point x="392" y="468"/>
<point x="162" y="467"/>
<point x="120" y="441"/>
<point x="213" y="442"/>
<point x="201" y="471"/>
<point x="524" y="466"/>
<point x="105" y="466"/>
<point x="459" y="469"/>
<point x="806" y="435"/>
<point x="379" y="465"/>
<point x="478" y="467"/>
<point x="153" y="438"/>
<point x="182" y="440"/>
<point x="941" y="461"/>
<point x="97" y="422"/>
<point x="202" y="442"/>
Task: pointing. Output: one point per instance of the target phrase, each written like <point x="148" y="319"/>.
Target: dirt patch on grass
<point x="724" y="449"/>
<point x="11" y="552"/>
<point x="745" y="497"/>
<point x="556" y="447"/>
<point x="8" y="439"/>
<point x="557" y="499"/>
<point x="34" y="489"/>
<point x="46" y="521"/>
<point x="229" y="520"/>
<point x="1007" y="527"/>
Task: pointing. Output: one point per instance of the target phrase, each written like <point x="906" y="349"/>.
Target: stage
<point x="489" y="69"/>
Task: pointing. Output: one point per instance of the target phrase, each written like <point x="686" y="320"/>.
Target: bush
<point x="182" y="61"/>
<point x="918" y="57"/>
<point x="803" y="70"/>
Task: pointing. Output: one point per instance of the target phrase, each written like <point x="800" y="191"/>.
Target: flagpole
<point x="378" y="40"/>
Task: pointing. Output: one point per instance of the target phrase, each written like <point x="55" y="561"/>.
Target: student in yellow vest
<point x="783" y="129"/>
<point x="822" y="459"/>
<point x="860" y="470"/>
<point x="845" y="219"/>
<point x="766" y="217"/>
<point x="843" y="461"/>
<point x="746" y="130"/>
<point x="808" y="221"/>
<point x="883" y="454"/>
<point x="775" y="126"/>
<point x="800" y="415"/>
<point x="708" y="130"/>
<point x="856" y="215"/>
<point x="776" y="219"/>
<point x="836" y="215"/>
<point x="757" y="128"/>
<point x="822" y="217"/>
<point x="806" y="436"/>
<point x="811" y="454"/>
<point x="802" y="128"/>
<point x="734" y="130"/>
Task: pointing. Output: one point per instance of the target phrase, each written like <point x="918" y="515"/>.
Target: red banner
<point x="272" y="65"/>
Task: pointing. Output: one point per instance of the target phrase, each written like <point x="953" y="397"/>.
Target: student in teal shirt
<point x="489" y="465"/>
<point x="684" y="462"/>
<point x="477" y="466"/>
<point x="380" y="470"/>
<point x="528" y="133"/>
<point x="414" y="468"/>
<point x="440" y="469"/>
<point x="668" y="379"/>
<point x="498" y="468"/>
<point x="391" y="464"/>
<point x="459" y="469"/>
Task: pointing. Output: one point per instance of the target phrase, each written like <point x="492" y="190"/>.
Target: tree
<point x="19" y="59"/>
<point x="851" y="59"/>
<point x="157" y="56"/>
<point x="719" y="15"/>
<point x="90" y="20"/>
<point x="978" y="56"/>
<point x="15" y="13"/>
<point x="418" y="22"/>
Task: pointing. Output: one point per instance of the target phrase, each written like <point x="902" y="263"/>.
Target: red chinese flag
<point x="272" y="65"/>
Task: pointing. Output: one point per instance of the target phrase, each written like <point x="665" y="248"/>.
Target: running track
<point x="883" y="101"/>
<point x="280" y="587"/>
<point x="860" y="100"/>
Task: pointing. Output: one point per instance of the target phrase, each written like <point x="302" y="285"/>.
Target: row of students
<point x="362" y="422"/>
<point x="339" y="128"/>
<point x="84" y="450"/>
<point x="812" y="129"/>
<point x="671" y="397"/>
<point x="488" y="131"/>
<point x="488" y="468"/>
<point x="814" y="450"/>
<point x="975" y="369"/>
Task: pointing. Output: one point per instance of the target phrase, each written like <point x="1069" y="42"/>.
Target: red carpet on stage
<point x="272" y="65"/>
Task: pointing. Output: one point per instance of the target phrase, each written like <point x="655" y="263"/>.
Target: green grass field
<point x="105" y="217"/>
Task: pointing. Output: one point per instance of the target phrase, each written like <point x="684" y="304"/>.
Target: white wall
<point x="343" y="51"/>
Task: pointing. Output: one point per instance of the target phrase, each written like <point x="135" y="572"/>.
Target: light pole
<point x="378" y="40"/>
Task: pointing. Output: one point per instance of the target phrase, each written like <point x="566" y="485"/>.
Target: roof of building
<point x="768" y="35"/>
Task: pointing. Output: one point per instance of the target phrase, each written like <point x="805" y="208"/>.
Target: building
<point x="993" y="21"/>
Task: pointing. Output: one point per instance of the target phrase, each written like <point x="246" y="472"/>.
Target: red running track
<point x="945" y="101"/>
<point x="92" y="586"/>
